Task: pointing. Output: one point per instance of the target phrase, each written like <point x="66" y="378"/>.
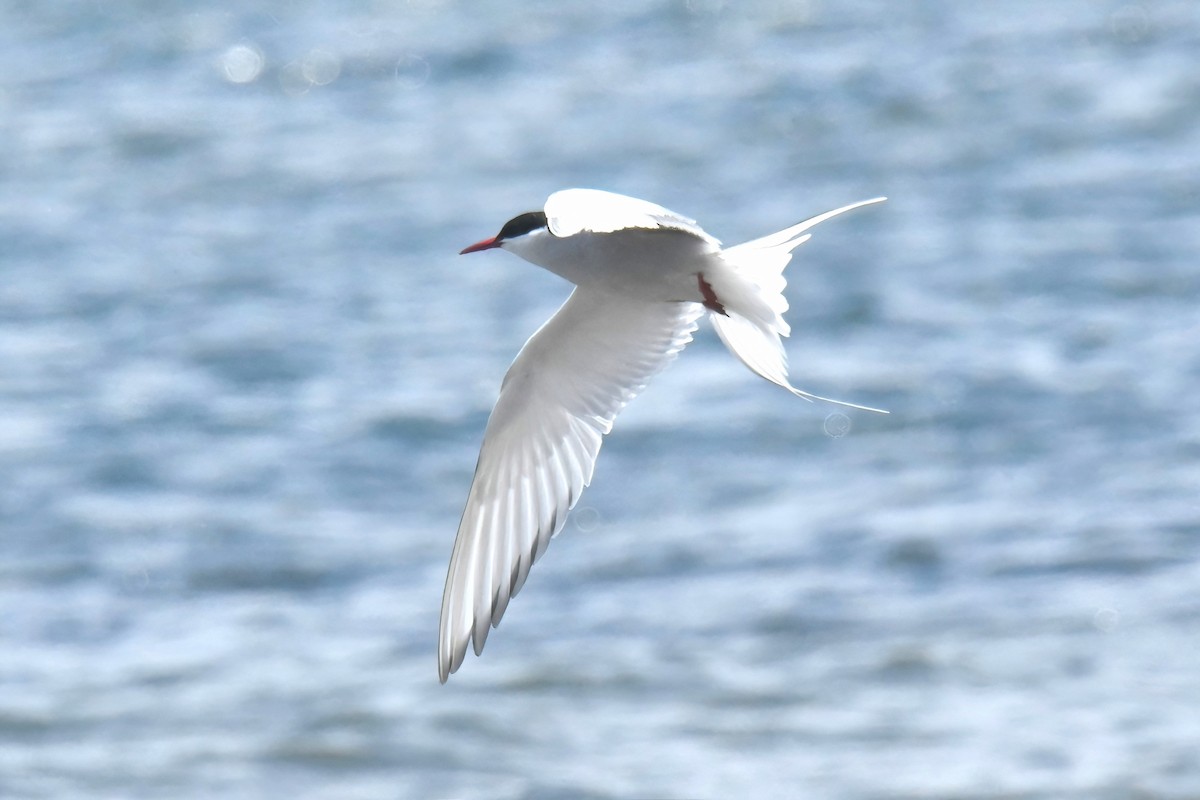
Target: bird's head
<point x="517" y="231"/>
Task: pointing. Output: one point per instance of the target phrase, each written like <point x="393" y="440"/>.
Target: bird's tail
<point x="751" y="322"/>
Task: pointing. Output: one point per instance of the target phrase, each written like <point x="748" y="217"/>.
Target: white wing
<point x="559" y="398"/>
<point x="573" y="211"/>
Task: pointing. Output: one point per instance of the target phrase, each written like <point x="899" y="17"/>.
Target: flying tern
<point x="643" y="276"/>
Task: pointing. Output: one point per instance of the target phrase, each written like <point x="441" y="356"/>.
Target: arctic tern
<point x="643" y="276"/>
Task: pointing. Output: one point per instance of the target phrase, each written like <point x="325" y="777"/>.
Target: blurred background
<point x="244" y="376"/>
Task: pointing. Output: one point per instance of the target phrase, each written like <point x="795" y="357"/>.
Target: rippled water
<point x="244" y="378"/>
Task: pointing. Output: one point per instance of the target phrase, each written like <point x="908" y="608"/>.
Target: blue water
<point x="243" y="379"/>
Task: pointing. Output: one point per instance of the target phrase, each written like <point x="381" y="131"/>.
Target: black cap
<point x="522" y="224"/>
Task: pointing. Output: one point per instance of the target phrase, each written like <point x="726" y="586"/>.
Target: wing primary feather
<point x="543" y="510"/>
<point x="503" y="556"/>
<point x="573" y="464"/>
<point x="544" y="541"/>
<point x="516" y="554"/>
<point x="481" y="578"/>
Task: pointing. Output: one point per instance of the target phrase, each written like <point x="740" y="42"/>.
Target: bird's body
<point x="643" y="275"/>
<point x="621" y="245"/>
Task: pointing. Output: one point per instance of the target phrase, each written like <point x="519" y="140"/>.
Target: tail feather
<point x="751" y="291"/>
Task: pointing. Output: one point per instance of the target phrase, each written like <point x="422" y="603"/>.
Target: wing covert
<point x="573" y="211"/>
